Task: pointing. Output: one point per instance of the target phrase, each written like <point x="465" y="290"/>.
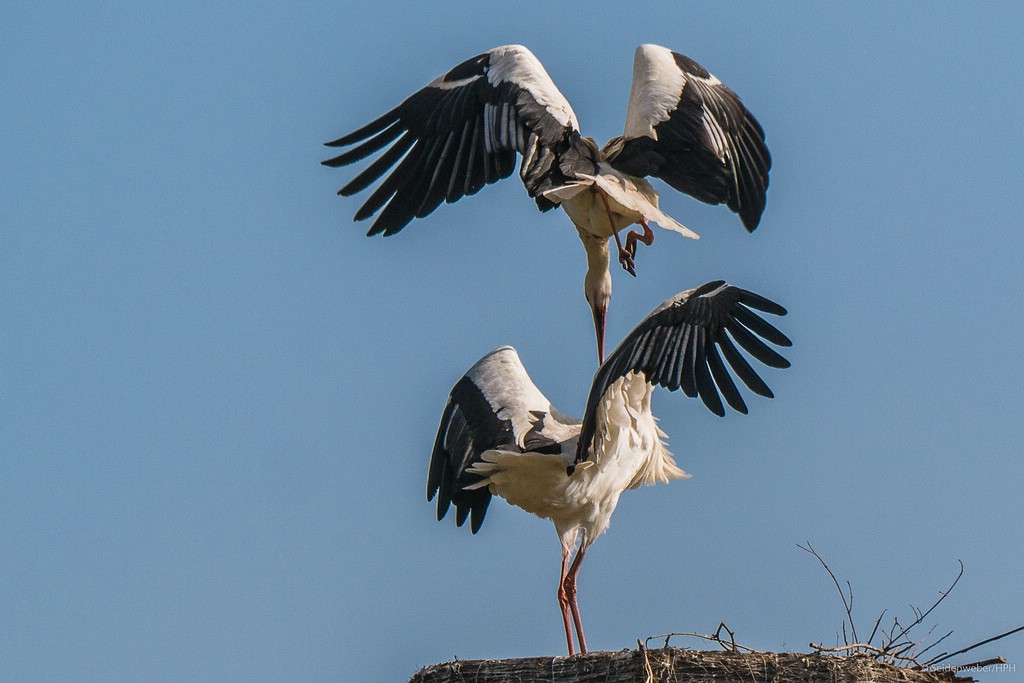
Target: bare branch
<point x="919" y="643"/>
<point x="900" y="650"/>
<point x="892" y="632"/>
<point x="916" y="611"/>
<point x="921" y="653"/>
<point x="942" y="596"/>
<point x="984" y="662"/>
<point x="862" y="647"/>
<point x="896" y="644"/>
<point x="848" y="606"/>
<point x="943" y="657"/>
<point x="875" y="629"/>
<point x="732" y="636"/>
<point x="715" y="637"/>
<point x="648" y="672"/>
<point x="847" y="648"/>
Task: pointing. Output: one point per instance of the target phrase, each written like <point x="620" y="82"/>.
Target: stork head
<point x="597" y="285"/>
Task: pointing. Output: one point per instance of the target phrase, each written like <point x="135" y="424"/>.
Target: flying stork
<point x="463" y="131"/>
<point x="500" y="436"/>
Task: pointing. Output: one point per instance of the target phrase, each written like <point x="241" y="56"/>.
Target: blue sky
<point x="218" y="398"/>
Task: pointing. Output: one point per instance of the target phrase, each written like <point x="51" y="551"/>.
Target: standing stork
<point x="500" y="436"/>
<point x="464" y="129"/>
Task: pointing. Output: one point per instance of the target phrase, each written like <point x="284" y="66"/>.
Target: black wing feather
<point x="742" y="368"/>
<point x="364" y="150"/>
<point x="375" y="170"/>
<point x="467" y="429"/>
<point x="754" y="346"/>
<point x="723" y="380"/>
<point x="760" y="326"/>
<point x="705" y="384"/>
<point x="372" y="128"/>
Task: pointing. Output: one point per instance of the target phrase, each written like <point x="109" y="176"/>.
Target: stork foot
<point x="632" y="237"/>
<point x="626" y="261"/>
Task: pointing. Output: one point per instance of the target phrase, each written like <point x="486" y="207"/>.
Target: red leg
<point x="563" y="601"/>
<point x="570" y="589"/>
<point x="631" y="238"/>
<point x="625" y="258"/>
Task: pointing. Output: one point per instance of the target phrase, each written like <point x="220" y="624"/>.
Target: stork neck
<point x="598" y="281"/>
<point x="598" y="252"/>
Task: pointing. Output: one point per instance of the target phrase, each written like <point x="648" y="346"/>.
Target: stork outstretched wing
<point x="495" y="406"/>
<point x="686" y="127"/>
<point x="682" y="343"/>
<point x="461" y="132"/>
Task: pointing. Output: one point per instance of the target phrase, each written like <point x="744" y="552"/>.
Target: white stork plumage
<point x="500" y="436"/>
<point x="463" y="131"/>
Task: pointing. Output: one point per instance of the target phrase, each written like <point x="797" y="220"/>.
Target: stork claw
<point x="626" y="261"/>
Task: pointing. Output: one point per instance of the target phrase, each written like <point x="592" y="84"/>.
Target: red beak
<point x="599" y="315"/>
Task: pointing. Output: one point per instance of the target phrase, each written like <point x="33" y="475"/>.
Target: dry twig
<point x="897" y="645"/>
<point x="848" y="605"/>
<point x="729" y="645"/>
<point x="943" y="657"/>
